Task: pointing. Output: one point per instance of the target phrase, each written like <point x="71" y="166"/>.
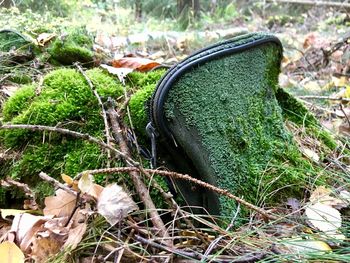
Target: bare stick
<point x="186" y="177"/>
<point x="140" y="187"/>
<point x="104" y="115"/>
<point x="56" y="183"/>
<point x="24" y="187"/>
<point x="314" y="3"/>
<point x="168" y="249"/>
<point x="71" y="133"/>
<point x="346" y="116"/>
<point x="324" y="98"/>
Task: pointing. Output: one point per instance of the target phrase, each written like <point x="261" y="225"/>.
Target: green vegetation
<point x="65" y="100"/>
<point x="75" y="46"/>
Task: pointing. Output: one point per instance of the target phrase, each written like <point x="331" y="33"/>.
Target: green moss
<point x="145" y="84"/>
<point x="140" y="80"/>
<point x="139" y="108"/>
<point x="294" y="110"/>
<point x="18" y="102"/>
<point x="73" y="47"/>
<point x="66" y="101"/>
<point x="235" y="119"/>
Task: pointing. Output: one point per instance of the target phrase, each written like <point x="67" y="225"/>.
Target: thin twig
<point x="71" y="133"/>
<point x="24" y="187"/>
<point x="217" y="240"/>
<point x="104" y="115"/>
<point x="168" y="197"/>
<point x="346" y="116"/>
<point x="314" y="3"/>
<point x="186" y="177"/>
<point x="140" y="187"/>
<point x="324" y="98"/>
<point x="56" y="183"/>
<point x="194" y="255"/>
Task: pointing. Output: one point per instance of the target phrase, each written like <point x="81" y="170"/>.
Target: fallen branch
<point x="186" y="177"/>
<point x="117" y="131"/>
<point x="24" y="187"/>
<point x="173" y="251"/>
<point x="71" y="133"/>
<point x="56" y="183"/>
<point x="324" y="98"/>
<point x="313" y="3"/>
<point x="104" y="115"/>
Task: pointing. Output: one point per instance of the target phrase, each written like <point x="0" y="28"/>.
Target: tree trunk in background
<point x="138" y="10"/>
<point x="181" y="5"/>
<point x="187" y="5"/>
<point x="6" y="3"/>
<point x="196" y="8"/>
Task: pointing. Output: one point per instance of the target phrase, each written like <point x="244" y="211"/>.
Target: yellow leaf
<point x="312" y="86"/>
<point x="10" y="253"/>
<point x="11" y="212"/>
<point x="67" y="179"/>
<point x="85" y="183"/>
<point x="339" y="82"/>
<point x="307" y="245"/>
<point x="70" y="181"/>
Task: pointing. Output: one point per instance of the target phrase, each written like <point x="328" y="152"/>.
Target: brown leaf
<point x="44" y="247"/>
<point x="60" y="205"/>
<point x="140" y="64"/>
<point x="322" y="195"/>
<point x="75" y="235"/>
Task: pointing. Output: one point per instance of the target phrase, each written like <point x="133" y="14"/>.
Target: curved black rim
<point x="159" y="96"/>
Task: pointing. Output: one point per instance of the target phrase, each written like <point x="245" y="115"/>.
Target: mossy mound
<point x="63" y="100"/>
<point x="74" y="46"/>
<point x="232" y="125"/>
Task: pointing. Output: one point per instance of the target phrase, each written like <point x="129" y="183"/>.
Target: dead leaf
<point x="10" y="253"/>
<point x="324" y="218"/>
<point x="115" y="204"/>
<point x="322" y="195"/>
<point x="95" y="191"/>
<point x="60" y="205"/>
<point x="121" y="73"/>
<point x="306" y="246"/>
<point x="311" y="154"/>
<point x="85" y="183"/>
<point x="43" y="38"/>
<point x="139" y="64"/>
<point x="75" y="235"/>
<point x="44" y="247"/>
<point x="70" y="182"/>
<point x="23" y="223"/>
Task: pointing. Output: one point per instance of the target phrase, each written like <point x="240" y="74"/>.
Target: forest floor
<point x="315" y="69"/>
